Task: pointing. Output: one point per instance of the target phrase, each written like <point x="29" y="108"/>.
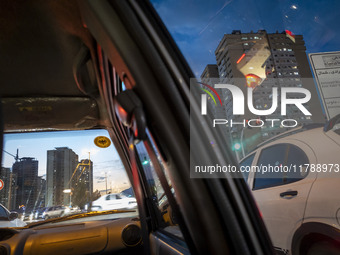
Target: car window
<point x="273" y="159"/>
<point x="273" y="156"/>
<point x="168" y="220"/>
<point x="150" y="174"/>
<point x="3" y="213"/>
<point x="66" y="171"/>
<point x="296" y="157"/>
<point x="257" y="47"/>
<point x="245" y="166"/>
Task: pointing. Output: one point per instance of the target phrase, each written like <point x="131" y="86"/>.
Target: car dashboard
<point x="117" y="236"/>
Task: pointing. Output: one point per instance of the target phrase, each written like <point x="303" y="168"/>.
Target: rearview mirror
<point x="13" y="216"/>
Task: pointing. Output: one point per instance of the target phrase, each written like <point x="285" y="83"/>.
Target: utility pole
<point x="10" y="191"/>
<point x="105" y="183"/>
<point x="91" y="181"/>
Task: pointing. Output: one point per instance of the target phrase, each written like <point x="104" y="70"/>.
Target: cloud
<point x="84" y="153"/>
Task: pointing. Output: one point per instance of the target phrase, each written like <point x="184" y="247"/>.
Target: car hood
<point x="12" y="224"/>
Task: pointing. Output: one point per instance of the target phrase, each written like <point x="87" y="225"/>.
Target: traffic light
<point x="236" y="146"/>
<point x="145" y="162"/>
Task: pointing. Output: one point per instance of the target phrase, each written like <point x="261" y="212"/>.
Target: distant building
<point x="8" y="192"/>
<point x="26" y="172"/>
<point x="210" y="71"/>
<point x="278" y="60"/>
<point x="84" y="175"/>
<point x="61" y="163"/>
<point x="210" y="76"/>
<point x="41" y="192"/>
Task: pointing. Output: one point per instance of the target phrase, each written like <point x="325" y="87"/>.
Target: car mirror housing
<point x="13" y="216"/>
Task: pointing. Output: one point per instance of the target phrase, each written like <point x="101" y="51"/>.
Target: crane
<point x="16" y="157"/>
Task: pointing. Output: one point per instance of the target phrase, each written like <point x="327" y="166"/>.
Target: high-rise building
<point x="8" y="194"/>
<point x="210" y="71"/>
<point x="26" y="171"/>
<point x="210" y="76"/>
<point x="83" y="175"/>
<point x="61" y="163"/>
<point x="262" y="61"/>
<point x="41" y="192"/>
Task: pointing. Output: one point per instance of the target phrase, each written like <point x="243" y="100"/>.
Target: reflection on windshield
<point x="59" y="174"/>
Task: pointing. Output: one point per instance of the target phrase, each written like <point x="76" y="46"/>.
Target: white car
<point x="9" y="219"/>
<point x="114" y="201"/>
<point x="53" y="212"/>
<point x="300" y="204"/>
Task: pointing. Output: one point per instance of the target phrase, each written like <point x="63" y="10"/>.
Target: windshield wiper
<point x="76" y="216"/>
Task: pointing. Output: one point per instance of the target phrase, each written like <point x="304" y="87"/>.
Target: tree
<point x="95" y="195"/>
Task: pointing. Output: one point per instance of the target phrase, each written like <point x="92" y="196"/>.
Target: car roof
<point x="39" y="62"/>
<point x="300" y="131"/>
<point x="42" y="37"/>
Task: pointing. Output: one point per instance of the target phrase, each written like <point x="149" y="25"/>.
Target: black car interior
<point x="116" y="66"/>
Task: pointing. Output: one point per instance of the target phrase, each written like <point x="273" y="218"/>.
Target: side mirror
<point x="13" y="216"/>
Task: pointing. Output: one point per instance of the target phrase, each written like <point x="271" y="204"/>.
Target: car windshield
<point x="55" y="176"/>
<point x="266" y="79"/>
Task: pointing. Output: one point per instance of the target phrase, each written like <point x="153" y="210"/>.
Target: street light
<point x="68" y="191"/>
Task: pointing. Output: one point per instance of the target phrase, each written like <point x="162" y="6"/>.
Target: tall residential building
<point x="8" y="192"/>
<point x="210" y="76"/>
<point x="84" y="176"/>
<point x="277" y="60"/>
<point x="61" y="163"/>
<point x="41" y="192"/>
<point x="26" y="171"/>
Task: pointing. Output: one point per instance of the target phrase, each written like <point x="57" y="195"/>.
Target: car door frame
<point x="144" y="53"/>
